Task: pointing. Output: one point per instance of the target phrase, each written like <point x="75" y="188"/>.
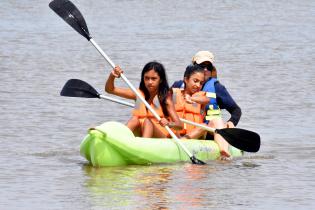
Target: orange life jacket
<point x="141" y="111"/>
<point x="191" y="112"/>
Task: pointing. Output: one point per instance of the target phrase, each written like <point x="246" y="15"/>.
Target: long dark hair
<point x="163" y="86"/>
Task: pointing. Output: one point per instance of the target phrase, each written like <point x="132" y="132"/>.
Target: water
<point x="265" y="57"/>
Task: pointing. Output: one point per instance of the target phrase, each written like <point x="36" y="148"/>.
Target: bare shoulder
<point x="169" y="98"/>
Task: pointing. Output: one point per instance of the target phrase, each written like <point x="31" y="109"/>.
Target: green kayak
<point x="113" y="144"/>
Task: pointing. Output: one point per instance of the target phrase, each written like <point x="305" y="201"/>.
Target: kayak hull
<point x="113" y="144"/>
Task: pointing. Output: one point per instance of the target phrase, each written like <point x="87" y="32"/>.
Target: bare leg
<point x="157" y="130"/>
<point x="147" y="128"/>
<point x="196" y="133"/>
<point x="133" y="124"/>
<point x="223" y="145"/>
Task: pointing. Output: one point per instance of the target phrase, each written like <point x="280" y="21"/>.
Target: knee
<point x="211" y="124"/>
<point x="147" y="123"/>
<point x="134" y="118"/>
<point x="133" y="122"/>
<point x="217" y="123"/>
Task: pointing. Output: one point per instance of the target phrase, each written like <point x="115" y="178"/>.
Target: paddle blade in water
<point x="194" y="160"/>
<point x="70" y="13"/>
<point x="240" y="138"/>
<point x="79" y="88"/>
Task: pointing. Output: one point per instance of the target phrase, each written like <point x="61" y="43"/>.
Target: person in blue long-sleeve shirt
<point x="219" y="99"/>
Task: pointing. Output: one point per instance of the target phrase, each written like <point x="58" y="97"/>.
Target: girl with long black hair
<point x="155" y="89"/>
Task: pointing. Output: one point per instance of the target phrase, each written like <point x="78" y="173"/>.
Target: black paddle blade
<point x="242" y="139"/>
<point x="70" y="13"/>
<point x="79" y="88"/>
<point x="194" y="160"/>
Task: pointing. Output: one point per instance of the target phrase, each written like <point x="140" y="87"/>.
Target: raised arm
<point x="200" y="98"/>
<point x="118" y="91"/>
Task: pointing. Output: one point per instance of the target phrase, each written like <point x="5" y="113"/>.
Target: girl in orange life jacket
<point x="155" y="90"/>
<point x="190" y="102"/>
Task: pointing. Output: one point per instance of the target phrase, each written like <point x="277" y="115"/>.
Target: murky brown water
<point x="265" y="56"/>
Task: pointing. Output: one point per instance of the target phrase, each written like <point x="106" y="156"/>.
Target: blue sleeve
<point x="225" y="101"/>
<point x="178" y="84"/>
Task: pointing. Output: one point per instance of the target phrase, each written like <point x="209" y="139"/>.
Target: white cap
<point x="203" y="56"/>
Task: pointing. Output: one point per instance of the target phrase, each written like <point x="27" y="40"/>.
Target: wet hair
<point x="192" y="69"/>
<point x="163" y="90"/>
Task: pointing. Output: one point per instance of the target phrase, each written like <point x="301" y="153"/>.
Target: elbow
<point x="109" y="84"/>
<point x="108" y="90"/>
<point x="236" y="111"/>
<point x="239" y="112"/>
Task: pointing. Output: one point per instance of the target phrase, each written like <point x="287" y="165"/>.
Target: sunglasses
<point x="209" y="66"/>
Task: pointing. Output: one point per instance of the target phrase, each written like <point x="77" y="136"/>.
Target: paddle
<point x="240" y="138"/>
<point x="70" y="13"/>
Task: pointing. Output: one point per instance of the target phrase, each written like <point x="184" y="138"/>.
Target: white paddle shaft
<point x="140" y="97"/>
<point x="205" y="127"/>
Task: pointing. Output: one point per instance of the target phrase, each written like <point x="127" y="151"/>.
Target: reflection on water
<point x="190" y="194"/>
<point x="108" y="186"/>
<point x="122" y="186"/>
<point x="154" y="187"/>
<point x="180" y="186"/>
